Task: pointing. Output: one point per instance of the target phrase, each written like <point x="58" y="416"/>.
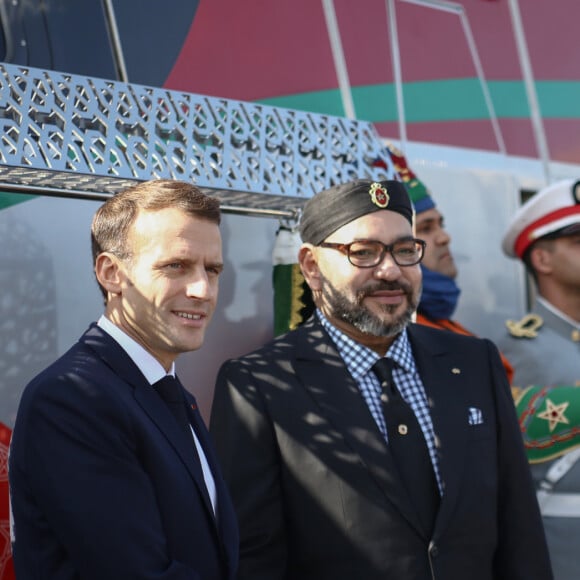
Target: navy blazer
<point x="315" y="486"/>
<point x="105" y="485"/>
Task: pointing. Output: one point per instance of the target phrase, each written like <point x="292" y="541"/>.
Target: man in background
<point x="545" y="235"/>
<point x="440" y="290"/>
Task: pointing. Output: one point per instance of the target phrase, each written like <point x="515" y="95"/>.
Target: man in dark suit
<point x="112" y="473"/>
<point x="360" y="446"/>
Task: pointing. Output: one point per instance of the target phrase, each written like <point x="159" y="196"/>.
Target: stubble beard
<point x="353" y="311"/>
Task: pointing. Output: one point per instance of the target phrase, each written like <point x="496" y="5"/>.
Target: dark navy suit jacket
<point x="105" y="485"/>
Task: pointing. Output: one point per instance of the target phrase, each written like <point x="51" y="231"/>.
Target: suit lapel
<point x="440" y="371"/>
<point x="146" y="397"/>
<point x="324" y="375"/>
<point x="116" y="357"/>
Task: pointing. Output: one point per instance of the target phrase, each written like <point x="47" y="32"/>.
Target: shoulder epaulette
<point x="527" y="327"/>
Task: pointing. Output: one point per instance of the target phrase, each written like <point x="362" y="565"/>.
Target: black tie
<point x="408" y="446"/>
<point x="170" y="391"/>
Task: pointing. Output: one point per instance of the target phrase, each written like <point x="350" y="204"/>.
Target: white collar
<point x="147" y="363"/>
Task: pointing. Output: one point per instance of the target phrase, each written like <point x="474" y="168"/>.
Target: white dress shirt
<point x="154" y="371"/>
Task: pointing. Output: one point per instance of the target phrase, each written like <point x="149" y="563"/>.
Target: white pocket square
<point x="475" y="416"/>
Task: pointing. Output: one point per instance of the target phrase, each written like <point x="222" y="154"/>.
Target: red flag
<point x="6" y="565"/>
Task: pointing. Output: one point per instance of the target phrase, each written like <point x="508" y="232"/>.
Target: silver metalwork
<point x="70" y="133"/>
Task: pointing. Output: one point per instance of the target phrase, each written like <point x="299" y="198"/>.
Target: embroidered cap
<point x="332" y="208"/>
<point x="553" y="210"/>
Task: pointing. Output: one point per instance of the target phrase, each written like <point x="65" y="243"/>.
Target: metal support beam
<point x="397" y="74"/>
<point x="459" y="10"/>
<point x="339" y="60"/>
<point x="116" y="45"/>
<point x="70" y="135"/>
<point x="526" y="66"/>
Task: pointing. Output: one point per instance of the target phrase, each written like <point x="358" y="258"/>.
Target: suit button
<point x="434" y="550"/>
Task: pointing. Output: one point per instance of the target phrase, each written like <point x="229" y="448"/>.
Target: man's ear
<point x="309" y="266"/>
<point x="108" y="270"/>
<point x="541" y="259"/>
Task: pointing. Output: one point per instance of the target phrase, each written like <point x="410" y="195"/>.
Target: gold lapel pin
<point x="456" y="371"/>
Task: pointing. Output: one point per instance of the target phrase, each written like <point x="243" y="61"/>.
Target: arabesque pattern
<point x="63" y="123"/>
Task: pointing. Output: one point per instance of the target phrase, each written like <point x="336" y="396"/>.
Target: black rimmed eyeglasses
<point x="370" y="253"/>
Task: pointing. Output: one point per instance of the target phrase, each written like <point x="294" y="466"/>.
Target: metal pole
<point x="42" y="191"/>
<point x="6" y="30"/>
<point x="535" y="113"/>
<point x="459" y="10"/>
<point x="442" y="5"/>
<point x="115" y="40"/>
<point x="396" y="59"/>
<point x="482" y="81"/>
<point x="339" y="60"/>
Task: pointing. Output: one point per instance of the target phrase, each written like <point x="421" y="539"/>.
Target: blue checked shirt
<point x="359" y="361"/>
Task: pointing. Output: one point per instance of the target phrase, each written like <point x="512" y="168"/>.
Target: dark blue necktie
<point x="170" y="391"/>
<point x="408" y="446"/>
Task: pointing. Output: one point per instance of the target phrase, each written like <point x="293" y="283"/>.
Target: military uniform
<point x="544" y="349"/>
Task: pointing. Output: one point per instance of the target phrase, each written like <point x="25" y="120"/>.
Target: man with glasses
<point x="361" y="446"/>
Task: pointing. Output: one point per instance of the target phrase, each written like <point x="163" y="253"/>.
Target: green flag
<point x="292" y="298"/>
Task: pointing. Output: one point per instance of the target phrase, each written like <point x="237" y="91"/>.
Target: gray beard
<point x="355" y="314"/>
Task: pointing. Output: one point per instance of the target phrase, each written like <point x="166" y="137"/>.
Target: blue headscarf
<point x="440" y="295"/>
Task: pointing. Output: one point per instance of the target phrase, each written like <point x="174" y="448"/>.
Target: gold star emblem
<point x="554" y="414"/>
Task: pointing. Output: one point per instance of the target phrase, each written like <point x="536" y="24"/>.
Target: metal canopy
<point x="73" y="136"/>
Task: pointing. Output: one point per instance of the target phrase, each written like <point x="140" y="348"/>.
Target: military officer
<point x="544" y="348"/>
